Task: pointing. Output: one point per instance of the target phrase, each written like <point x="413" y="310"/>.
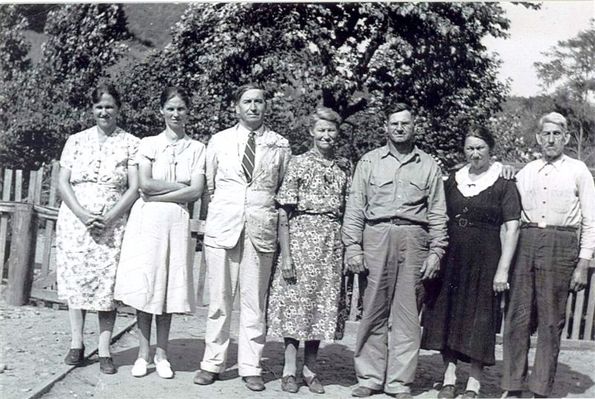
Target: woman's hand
<point x="501" y="281"/>
<point x="287" y="268"/>
<point x="88" y="218"/>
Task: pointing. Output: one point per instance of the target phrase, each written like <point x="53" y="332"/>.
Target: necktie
<point x="248" y="160"/>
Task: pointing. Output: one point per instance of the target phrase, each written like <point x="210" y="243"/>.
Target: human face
<point x="399" y="128"/>
<point x="477" y="153"/>
<point x="325" y="134"/>
<point x="175" y="113"/>
<point x="106" y="112"/>
<point x="251" y="108"/>
<point x="552" y="140"/>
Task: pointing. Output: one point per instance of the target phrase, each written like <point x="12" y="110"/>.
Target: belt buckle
<point x="462" y="222"/>
<point x="542" y="225"/>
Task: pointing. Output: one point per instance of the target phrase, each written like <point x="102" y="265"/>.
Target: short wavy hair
<point x="556" y="119"/>
<point x="324" y="114"/>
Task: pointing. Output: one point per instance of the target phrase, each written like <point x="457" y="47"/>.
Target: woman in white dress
<point x="155" y="274"/>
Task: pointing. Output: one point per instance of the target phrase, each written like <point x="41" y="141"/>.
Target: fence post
<point x="22" y="254"/>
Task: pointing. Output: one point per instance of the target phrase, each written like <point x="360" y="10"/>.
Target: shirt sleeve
<point x="437" y="216"/>
<point x="288" y="193"/>
<point x="354" y="218"/>
<point x="211" y="165"/>
<point x="68" y="157"/>
<point x="586" y="196"/>
<point x="511" y="202"/>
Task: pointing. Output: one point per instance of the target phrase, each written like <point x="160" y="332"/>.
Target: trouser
<point x="539" y="284"/>
<point x="388" y="339"/>
<point x="249" y="269"/>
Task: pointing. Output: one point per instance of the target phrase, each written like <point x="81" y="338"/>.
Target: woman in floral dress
<point x="155" y="272"/>
<point x="98" y="184"/>
<point x="305" y="298"/>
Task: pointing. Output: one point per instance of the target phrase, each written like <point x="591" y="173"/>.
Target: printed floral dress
<point x="86" y="259"/>
<point x="312" y="307"/>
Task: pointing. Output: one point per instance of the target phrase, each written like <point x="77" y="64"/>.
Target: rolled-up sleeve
<point x="437" y="217"/>
<point x="354" y="218"/>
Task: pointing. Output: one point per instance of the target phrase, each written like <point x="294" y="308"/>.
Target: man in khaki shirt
<point x="555" y="247"/>
<point x="395" y="230"/>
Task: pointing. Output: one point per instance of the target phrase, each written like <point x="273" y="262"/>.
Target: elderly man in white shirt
<point x="555" y="248"/>
<point x="245" y="167"/>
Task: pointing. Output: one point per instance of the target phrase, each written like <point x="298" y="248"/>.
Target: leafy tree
<point x="570" y="69"/>
<point x="13" y="46"/>
<point x="353" y="57"/>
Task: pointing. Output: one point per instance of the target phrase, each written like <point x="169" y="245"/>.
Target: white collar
<point x="470" y="188"/>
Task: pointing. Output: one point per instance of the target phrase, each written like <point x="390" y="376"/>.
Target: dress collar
<point x="470" y="188"/>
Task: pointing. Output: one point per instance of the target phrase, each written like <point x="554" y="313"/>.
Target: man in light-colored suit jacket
<point x="245" y="166"/>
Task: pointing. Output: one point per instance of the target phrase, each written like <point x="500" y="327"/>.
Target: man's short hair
<point x="244" y="88"/>
<point x="556" y="119"/>
<point x="397" y="107"/>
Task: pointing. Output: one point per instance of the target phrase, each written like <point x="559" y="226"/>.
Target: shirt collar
<point x="413" y="156"/>
<point x="556" y="164"/>
<point x="241" y="129"/>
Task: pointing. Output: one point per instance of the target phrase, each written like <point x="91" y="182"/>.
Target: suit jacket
<point x="235" y="203"/>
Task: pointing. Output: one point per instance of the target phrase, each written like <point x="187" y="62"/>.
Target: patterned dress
<point x="155" y="270"/>
<point x="312" y="307"/>
<point x="86" y="259"/>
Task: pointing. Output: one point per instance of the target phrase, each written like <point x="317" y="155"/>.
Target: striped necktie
<point x="248" y="160"/>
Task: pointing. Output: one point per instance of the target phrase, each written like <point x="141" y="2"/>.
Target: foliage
<point x="570" y="69"/>
<point x="50" y="100"/>
<point x="353" y="57"/>
<point x="13" y="46"/>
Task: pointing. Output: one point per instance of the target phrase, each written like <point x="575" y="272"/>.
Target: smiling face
<point x="105" y="112"/>
<point x="552" y="140"/>
<point x="325" y="135"/>
<point x="251" y="108"/>
<point x="477" y="153"/>
<point x="175" y="113"/>
<point x="399" y="128"/>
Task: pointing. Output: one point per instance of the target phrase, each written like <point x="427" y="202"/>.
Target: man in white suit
<point x="245" y="167"/>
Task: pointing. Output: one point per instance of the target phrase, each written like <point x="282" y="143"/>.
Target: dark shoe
<point x="470" y="395"/>
<point x="538" y="395"/>
<point x="106" y="365"/>
<point x="514" y="394"/>
<point x="447" y="392"/>
<point x="203" y="377"/>
<point x="364" y="392"/>
<point x="289" y="384"/>
<point x="75" y="356"/>
<point x="314" y="384"/>
<point x="254" y="383"/>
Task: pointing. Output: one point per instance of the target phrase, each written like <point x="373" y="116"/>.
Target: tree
<point x="353" y="57"/>
<point x="570" y="69"/>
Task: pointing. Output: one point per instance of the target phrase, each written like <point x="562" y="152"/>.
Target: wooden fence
<point x="28" y="213"/>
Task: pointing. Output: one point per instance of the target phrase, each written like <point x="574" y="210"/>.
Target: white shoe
<point x="163" y="368"/>
<point x="140" y="367"/>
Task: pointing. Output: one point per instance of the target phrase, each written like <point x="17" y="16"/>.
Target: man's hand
<point x="501" y="282"/>
<point x="431" y="267"/>
<point x="579" y="277"/>
<point x="508" y="172"/>
<point x="287" y="268"/>
<point x="355" y="264"/>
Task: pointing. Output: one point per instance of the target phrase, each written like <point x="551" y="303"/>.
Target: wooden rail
<point x="39" y="189"/>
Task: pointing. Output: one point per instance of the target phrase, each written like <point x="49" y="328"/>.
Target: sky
<point x="535" y="31"/>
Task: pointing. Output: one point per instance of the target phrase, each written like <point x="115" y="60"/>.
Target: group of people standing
<point x="282" y="230"/>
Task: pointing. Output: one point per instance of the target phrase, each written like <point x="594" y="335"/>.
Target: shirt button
<point x="543" y="202"/>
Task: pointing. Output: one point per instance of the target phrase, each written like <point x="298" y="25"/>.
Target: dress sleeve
<point x="133" y="143"/>
<point x="146" y="150"/>
<point x="511" y="202"/>
<point x="288" y="193"/>
<point x="68" y="157"/>
<point x="199" y="157"/>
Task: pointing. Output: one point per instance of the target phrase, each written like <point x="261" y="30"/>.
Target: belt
<point x="544" y="226"/>
<point x="395" y="221"/>
<point x="464" y="222"/>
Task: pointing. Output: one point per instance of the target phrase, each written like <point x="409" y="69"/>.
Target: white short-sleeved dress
<point x="86" y="259"/>
<point x="155" y="271"/>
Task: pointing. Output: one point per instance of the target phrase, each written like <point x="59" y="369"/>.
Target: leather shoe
<point x="470" y="395"/>
<point x="75" y="356"/>
<point x="204" y="377"/>
<point x="364" y="392"/>
<point x="289" y="384"/>
<point x="254" y="383"/>
<point x="447" y="392"/>
<point x="314" y="384"/>
<point x="106" y="365"/>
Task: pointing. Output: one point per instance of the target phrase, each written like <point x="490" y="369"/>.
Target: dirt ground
<point x="35" y="339"/>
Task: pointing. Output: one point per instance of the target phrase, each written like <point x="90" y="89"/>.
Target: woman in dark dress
<point x="461" y="316"/>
